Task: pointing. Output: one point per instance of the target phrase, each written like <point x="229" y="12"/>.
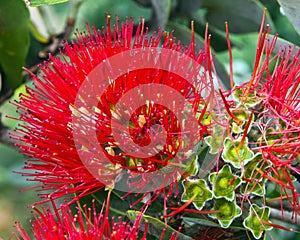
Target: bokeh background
<point x="27" y="34"/>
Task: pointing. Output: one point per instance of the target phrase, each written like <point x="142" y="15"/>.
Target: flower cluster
<point x="224" y="156"/>
<point x="48" y="132"/>
<point x="260" y="146"/>
<point x="87" y="223"/>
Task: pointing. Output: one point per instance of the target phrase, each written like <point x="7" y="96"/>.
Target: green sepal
<point x="270" y="137"/>
<point x="242" y="116"/>
<point x="192" y="166"/>
<point x="255" y="188"/>
<point x="197" y="188"/>
<point x="249" y="101"/>
<point x="224" y="183"/>
<point x="236" y="128"/>
<point x="254" y="220"/>
<point x="241" y="113"/>
<point x="233" y="155"/>
<point x="206" y="119"/>
<point x="215" y="142"/>
<point x="229" y="210"/>
<point x="254" y="181"/>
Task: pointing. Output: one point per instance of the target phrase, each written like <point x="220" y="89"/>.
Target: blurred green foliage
<point x="14" y="43"/>
<point x="14" y="204"/>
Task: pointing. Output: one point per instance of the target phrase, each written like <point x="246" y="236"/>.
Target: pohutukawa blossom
<point x="48" y="110"/>
<point x="280" y="94"/>
<point x="273" y="95"/>
<point x="87" y="223"/>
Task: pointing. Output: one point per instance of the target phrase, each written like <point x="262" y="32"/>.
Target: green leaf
<point x="218" y="37"/>
<point x="242" y="16"/>
<point x="292" y="11"/>
<point x="8" y="109"/>
<point x="282" y="43"/>
<point x="161" y="12"/>
<point x="118" y="205"/>
<point x="192" y="166"/>
<point x="184" y="34"/>
<point x="155" y="226"/>
<point x="94" y="12"/>
<point x="37" y="34"/>
<point x="188" y="7"/>
<point x="201" y="221"/>
<point x="14" y="42"/>
<point x="144" y="3"/>
<point x="36" y="3"/>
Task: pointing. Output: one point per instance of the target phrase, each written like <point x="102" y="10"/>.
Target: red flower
<point x="280" y="91"/>
<point x="51" y="116"/>
<point x="275" y="87"/>
<point x="85" y="224"/>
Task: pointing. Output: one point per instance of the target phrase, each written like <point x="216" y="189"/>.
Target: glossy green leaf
<point x="35" y="3"/>
<point x="218" y="36"/>
<point x="243" y="16"/>
<point x="155" y="226"/>
<point x="244" y="47"/>
<point x="184" y="34"/>
<point x="8" y="109"/>
<point x="207" y="161"/>
<point x="292" y="11"/>
<point x="14" y="42"/>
